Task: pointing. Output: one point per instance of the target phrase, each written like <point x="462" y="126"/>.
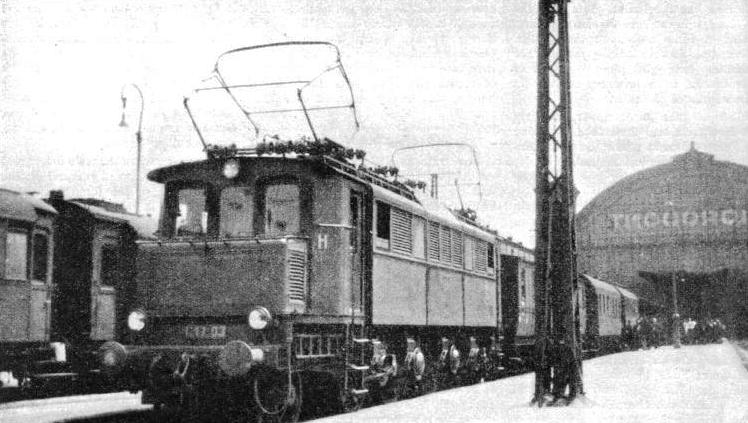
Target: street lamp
<point x="676" y="316"/>
<point x="138" y="137"/>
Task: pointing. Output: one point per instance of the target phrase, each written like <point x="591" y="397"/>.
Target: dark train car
<point x="301" y="269"/>
<point x="94" y="264"/>
<point x="517" y="298"/>
<point x="603" y="325"/>
<point x="26" y="249"/>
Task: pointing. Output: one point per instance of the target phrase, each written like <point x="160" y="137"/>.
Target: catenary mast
<point x="558" y="369"/>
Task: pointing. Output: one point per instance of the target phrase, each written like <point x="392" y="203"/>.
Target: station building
<point x="682" y="225"/>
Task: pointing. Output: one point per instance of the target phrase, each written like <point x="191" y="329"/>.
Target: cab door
<point x="40" y="295"/>
<point x="356" y="243"/>
<point x="106" y="271"/>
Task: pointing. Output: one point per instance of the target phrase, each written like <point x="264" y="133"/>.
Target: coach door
<point x="357" y="256"/>
<point x="106" y="266"/>
<point x="41" y="299"/>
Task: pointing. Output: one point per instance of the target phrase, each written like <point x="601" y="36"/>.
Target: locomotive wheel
<point x="272" y="400"/>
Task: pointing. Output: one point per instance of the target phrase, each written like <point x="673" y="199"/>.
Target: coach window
<point x="109" y="265"/>
<point x="383" y="226"/>
<point x="281" y="214"/>
<point x="236" y="212"/>
<point x="41" y="257"/>
<point x="16" y="255"/>
<point x="192" y="214"/>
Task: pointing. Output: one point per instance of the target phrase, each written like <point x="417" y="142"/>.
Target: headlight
<point x="231" y="168"/>
<point x="136" y="320"/>
<point x="112" y="355"/>
<point x="259" y="318"/>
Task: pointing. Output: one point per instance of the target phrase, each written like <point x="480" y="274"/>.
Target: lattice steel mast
<point x="558" y="370"/>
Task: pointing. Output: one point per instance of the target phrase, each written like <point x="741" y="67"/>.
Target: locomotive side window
<point x="490" y="258"/>
<point x="433" y="241"/>
<point x="419" y="237"/>
<point x="445" y="241"/>
<point x="282" y="209"/>
<point x="401" y="228"/>
<point x="469" y="253"/>
<point x="457" y="257"/>
<point x="236" y="212"/>
<point x="16" y="255"/>
<point x="192" y="217"/>
<point x="383" y="226"/>
<point x="41" y="255"/>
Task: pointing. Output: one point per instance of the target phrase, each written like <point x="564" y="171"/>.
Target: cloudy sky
<point x="648" y="78"/>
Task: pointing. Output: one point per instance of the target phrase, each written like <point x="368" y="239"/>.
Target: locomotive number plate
<point x="205" y="331"/>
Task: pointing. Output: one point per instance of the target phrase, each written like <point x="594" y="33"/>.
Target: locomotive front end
<point x="218" y="291"/>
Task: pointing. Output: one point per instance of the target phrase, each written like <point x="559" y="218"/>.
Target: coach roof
<point x="17" y="206"/>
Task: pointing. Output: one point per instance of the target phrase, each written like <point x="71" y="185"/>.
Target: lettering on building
<point x="723" y="219"/>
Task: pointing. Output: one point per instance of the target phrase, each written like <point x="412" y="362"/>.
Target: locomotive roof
<point x="430" y="208"/>
<point x="18" y="206"/>
<point x="144" y="226"/>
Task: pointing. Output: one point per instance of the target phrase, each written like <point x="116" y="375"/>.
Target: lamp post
<point x="138" y="137"/>
<point x="676" y="316"/>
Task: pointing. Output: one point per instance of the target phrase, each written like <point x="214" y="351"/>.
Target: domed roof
<point x="693" y="176"/>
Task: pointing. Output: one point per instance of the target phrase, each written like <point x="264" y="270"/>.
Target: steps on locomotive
<point x="356" y="361"/>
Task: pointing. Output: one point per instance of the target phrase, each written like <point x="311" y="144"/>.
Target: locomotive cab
<point x="246" y="270"/>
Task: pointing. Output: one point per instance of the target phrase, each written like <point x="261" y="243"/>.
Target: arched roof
<point x="688" y="163"/>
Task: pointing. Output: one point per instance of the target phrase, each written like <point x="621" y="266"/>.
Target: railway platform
<point x="695" y="383"/>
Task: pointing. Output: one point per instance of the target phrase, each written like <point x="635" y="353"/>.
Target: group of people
<point x="653" y="332"/>
<point x="703" y="331"/>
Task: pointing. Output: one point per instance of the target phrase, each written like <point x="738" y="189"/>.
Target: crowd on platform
<point x="651" y="332"/>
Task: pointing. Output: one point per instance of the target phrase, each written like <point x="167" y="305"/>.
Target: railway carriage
<point x="602" y="321"/>
<point x="517" y="300"/>
<point x="93" y="273"/>
<point x="66" y="270"/>
<point x="26" y="248"/>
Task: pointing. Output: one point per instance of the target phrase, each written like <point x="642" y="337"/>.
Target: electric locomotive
<point x="270" y="271"/>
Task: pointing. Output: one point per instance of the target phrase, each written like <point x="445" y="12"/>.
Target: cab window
<point x="282" y="209"/>
<point x="16" y="255"/>
<point x="236" y="212"/>
<point x="192" y="215"/>
<point x="41" y="255"/>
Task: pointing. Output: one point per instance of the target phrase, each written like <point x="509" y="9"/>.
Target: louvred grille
<point x="297" y="275"/>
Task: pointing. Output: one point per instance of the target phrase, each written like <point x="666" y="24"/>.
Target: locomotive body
<point x="298" y="267"/>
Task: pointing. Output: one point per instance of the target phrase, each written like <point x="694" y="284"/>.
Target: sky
<point x="647" y="79"/>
